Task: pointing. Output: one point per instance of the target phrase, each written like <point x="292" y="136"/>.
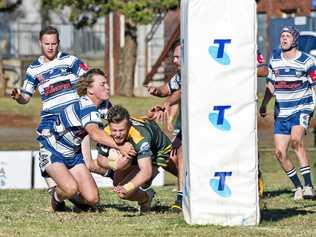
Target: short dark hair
<point x="175" y="44"/>
<point x="49" y="30"/>
<point x="117" y="114"/>
<point x="86" y="80"/>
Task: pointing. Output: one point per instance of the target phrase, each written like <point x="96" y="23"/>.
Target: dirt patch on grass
<point x="17" y="121"/>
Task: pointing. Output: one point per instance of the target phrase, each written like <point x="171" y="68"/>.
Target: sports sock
<point x="294" y="178"/>
<point x="56" y="197"/>
<point x="179" y="197"/>
<point x="306" y="172"/>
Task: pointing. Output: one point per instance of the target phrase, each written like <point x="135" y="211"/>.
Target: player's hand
<point x="154" y="112"/>
<point x="120" y="191"/>
<point x="152" y="90"/>
<point x="127" y="150"/>
<point x="263" y="111"/>
<point x="165" y="116"/>
<point x="15" y="94"/>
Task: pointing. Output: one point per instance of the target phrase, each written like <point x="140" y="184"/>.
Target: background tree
<point x="85" y="13"/>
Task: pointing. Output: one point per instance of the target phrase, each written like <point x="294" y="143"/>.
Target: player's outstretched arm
<point x="268" y="94"/>
<point x="161" y="91"/>
<point x="174" y="98"/>
<point x="144" y="174"/>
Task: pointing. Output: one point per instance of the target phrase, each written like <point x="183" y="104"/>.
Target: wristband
<point x="129" y="186"/>
<point x="113" y="164"/>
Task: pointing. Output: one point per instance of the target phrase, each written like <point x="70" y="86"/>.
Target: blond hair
<point x="86" y="80"/>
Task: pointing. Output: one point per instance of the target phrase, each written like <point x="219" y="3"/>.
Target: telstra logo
<point x="219" y="186"/>
<point x="218" y="52"/>
<point x="217" y="117"/>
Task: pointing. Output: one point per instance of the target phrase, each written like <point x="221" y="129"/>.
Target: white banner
<point x="15" y="169"/>
<point x="219" y="111"/>
<point x="20" y="170"/>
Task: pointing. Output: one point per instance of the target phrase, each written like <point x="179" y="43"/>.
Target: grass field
<point x="27" y="212"/>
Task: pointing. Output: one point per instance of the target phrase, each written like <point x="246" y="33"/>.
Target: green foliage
<point x="9" y="6"/>
<point x="86" y="13"/>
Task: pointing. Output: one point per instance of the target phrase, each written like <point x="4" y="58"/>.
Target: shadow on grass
<point x="118" y="206"/>
<point x="279" y="214"/>
<point x="276" y="193"/>
<point x="157" y="208"/>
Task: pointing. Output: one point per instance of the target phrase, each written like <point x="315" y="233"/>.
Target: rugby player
<point x="166" y="112"/>
<point x="132" y="179"/>
<point x="61" y="155"/>
<point x="291" y="79"/>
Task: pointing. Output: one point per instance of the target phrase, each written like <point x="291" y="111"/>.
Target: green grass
<point x="26" y="213"/>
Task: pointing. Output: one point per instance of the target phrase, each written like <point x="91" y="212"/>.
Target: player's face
<point x="176" y="57"/>
<point x="49" y="45"/>
<point x="286" y="40"/>
<point x="100" y="87"/>
<point x="119" y="131"/>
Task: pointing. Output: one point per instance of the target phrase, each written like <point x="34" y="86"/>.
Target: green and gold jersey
<point x="148" y="141"/>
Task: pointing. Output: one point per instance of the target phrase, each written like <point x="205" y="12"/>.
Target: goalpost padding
<point x="219" y="112"/>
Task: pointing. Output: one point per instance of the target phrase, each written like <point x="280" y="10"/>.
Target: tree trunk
<point x="128" y="60"/>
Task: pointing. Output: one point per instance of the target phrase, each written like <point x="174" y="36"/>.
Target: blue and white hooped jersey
<point x="292" y="80"/>
<point x="104" y="108"/>
<point x="69" y="129"/>
<point x="174" y="83"/>
<point x="55" y="80"/>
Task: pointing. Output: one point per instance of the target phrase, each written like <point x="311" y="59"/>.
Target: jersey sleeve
<point x="90" y="115"/>
<point x="143" y="147"/>
<point x="104" y="108"/>
<point x="174" y="83"/>
<point x="271" y="75"/>
<point x="311" y="72"/>
<point x="29" y="85"/>
<point x="87" y="112"/>
<point x="78" y="68"/>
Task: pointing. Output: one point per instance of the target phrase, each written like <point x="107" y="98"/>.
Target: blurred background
<point x="131" y="40"/>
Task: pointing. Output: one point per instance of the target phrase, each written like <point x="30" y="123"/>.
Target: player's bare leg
<point x="297" y="135"/>
<point x="88" y="195"/>
<point x="281" y="146"/>
<point x="66" y="185"/>
<point x="50" y="184"/>
<point x="176" y="162"/>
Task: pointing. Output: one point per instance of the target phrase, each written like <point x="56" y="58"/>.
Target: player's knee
<point x="70" y="190"/>
<point x="93" y="199"/>
<point x="295" y="144"/>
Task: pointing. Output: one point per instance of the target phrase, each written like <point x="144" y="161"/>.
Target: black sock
<point x="179" y="196"/>
<point x="306" y="172"/>
<point x="294" y="178"/>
